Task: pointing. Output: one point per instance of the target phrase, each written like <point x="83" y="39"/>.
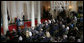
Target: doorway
<point x="45" y="7"/>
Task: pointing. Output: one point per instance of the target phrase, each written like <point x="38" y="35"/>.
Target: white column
<point x="4" y="16"/>
<point x="13" y="10"/>
<point x="20" y="9"/>
<point x="64" y="4"/>
<point x="39" y="12"/>
<point x="32" y="15"/>
<point x="28" y="10"/>
<point x="8" y="7"/>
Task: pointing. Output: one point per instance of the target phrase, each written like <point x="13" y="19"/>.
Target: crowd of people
<point x="60" y="29"/>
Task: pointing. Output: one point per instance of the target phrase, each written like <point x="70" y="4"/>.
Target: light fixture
<point x="48" y="7"/>
<point x="70" y="7"/>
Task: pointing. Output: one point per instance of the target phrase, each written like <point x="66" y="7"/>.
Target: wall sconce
<point x="70" y="7"/>
<point x="48" y="7"/>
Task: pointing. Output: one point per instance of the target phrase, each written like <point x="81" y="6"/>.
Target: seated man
<point x="64" y="38"/>
<point x="41" y="33"/>
<point x="71" y="39"/>
<point x="46" y="38"/>
<point x="79" y="40"/>
<point x="19" y="31"/>
<point x="20" y="38"/>
<point x="81" y="19"/>
<point x="46" y="26"/>
<point x="48" y="34"/>
<point x="66" y="31"/>
<point x="21" y="24"/>
<point x="14" y="36"/>
<point x="34" y="32"/>
<point x="62" y="30"/>
<point x="49" y="23"/>
<point x="18" y="22"/>
<point x="71" y="25"/>
<point x="39" y="26"/>
<point x="53" y="20"/>
<point x="54" y="29"/>
<point x="14" y="33"/>
<point x="28" y="34"/>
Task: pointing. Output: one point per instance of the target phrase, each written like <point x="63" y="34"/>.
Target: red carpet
<point x="28" y="24"/>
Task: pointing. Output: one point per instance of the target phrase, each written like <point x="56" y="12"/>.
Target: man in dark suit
<point x="17" y="22"/>
<point x="23" y="17"/>
<point x="38" y="27"/>
<point x="34" y="32"/>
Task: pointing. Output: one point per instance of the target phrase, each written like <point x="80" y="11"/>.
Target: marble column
<point x="13" y="11"/>
<point x="32" y="15"/>
<point x="20" y="9"/>
<point x="28" y="10"/>
<point x="4" y="16"/>
<point x="39" y="12"/>
<point x="9" y="10"/>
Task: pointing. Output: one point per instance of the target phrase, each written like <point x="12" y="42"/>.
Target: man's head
<point x="63" y="26"/>
<point x="47" y="34"/>
<point x="65" y="36"/>
<point x="49" y="21"/>
<point x="14" y="30"/>
<point x="67" y="28"/>
<point x="30" y="34"/>
<point x="32" y="28"/>
<point x="78" y="40"/>
<point x="45" y="21"/>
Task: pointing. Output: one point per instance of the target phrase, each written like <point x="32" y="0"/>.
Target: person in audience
<point x="8" y="18"/>
<point x="25" y="28"/>
<point x="23" y="17"/>
<point x="81" y="19"/>
<point x="14" y="32"/>
<point x="45" y="39"/>
<point x="46" y="26"/>
<point x="55" y="29"/>
<point x="18" y="22"/>
<point x="71" y="39"/>
<point x="78" y="40"/>
<point x="27" y="34"/>
<point x="47" y="34"/>
<point x="19" y="31"/>
<point x="64" y="38"/>
<point x="14" y="35"/>
<point x="39" y="26"/>
<point x="3" y="37"/>
<point x="20" y="38"/>
<point x="34" y="32"/>
<point x="41" y="33"/>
